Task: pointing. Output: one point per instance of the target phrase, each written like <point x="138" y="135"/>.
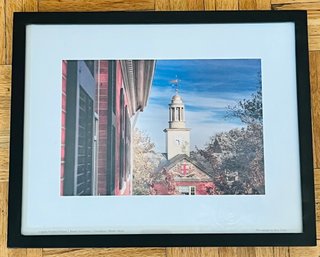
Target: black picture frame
<point x="22" y="20"/>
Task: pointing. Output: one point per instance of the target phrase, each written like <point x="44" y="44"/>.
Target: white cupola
<point x="176" y="113"/>
<point x="177" y="135"/>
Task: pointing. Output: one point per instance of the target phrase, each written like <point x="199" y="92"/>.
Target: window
<point x="192" y="190"/>
<point x="187" y="190"/>
<point x="232" y="179"/>
<point x="90" y="65"/>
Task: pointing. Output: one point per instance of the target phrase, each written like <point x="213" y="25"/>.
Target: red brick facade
<point x="182" y="175"/>
<point x="101" y="108"/>
<point x="63" y="121"/>
<point x="99" y="100"/>
<point x="102" y="93"/>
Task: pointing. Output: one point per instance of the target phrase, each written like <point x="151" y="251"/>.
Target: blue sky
<point x="207" y="87"/>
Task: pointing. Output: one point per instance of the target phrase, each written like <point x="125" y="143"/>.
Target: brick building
<point x="100" y="102"/>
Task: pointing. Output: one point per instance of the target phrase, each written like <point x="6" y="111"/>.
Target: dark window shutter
<point x="111" y="129"/>
<point x="85" y="144"/>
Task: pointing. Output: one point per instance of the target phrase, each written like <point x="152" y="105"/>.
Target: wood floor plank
<point x="314" y="23"/>
<point x="313" y="85"/>
<point x="209" y="5"/>
<point x="196" y="5"/>
<point x="5" y="74"/>
<point x="95" y="5"/>
<point x="30" y="5"/>
<point x="192" y="252"/>
<point x="18" y="252"/>
<point x="11" y="7"/>
<point x="179" y="5"/>
<point x="293" y="1"/>
<point x="254" y="5"/>
<point x="103" y="252"/>
<point x="317" y="199"/>
<point x="305" y="251"/>
<point x="5" y="109"/>
<point x="31" y="252"/>
<point x="281" y="252"/>
<point x="317" y="176"/>
<point x="298" y="6"/>
<point x="5" y="94"/>
<point x="3" y="218"/>
<point x="227" y="5"/>
<point x="247" y="4"/>
<point x="263" y="4"/>
<point x="314" y="60"/>
<point x="314" y="43"/>
<point x="227" y="251"/>
<point x="246" y="252"/>
<point x="264" y="251"/>
<point x="4" y="164"/>
<point x="162" y="5"/>
<point x="2" y="32"/>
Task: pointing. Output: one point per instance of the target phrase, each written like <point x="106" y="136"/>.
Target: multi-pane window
<point x="90" y="65"/>
<point x="187" y="190"/>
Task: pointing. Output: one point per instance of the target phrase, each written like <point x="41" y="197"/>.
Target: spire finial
<point x="175" y="83"/>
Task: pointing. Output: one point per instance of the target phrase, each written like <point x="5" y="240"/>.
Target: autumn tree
<point x="248" y="158"/>
<point x="245" y="158"/>
<point x="239" y="151"/>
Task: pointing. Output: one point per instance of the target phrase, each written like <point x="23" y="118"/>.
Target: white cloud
<point x="198" y="99"/>
<point x="200" y="135"/>
<point x="205" y="102"/>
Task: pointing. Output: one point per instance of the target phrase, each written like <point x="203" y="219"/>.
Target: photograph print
<point x="162" y="127"/>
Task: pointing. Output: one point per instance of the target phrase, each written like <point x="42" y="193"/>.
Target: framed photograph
<point x="161" y="129"/>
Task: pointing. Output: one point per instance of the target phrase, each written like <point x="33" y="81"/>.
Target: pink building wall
<point x="63" y="122"/>
<point x="201" y="187"/>
<point x="102" y="87"/>
<point x="103" y="123"/>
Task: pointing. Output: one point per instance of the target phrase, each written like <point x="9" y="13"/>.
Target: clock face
<point x="179" y="141"/>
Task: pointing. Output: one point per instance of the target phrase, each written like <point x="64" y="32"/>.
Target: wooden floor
<point x="7" y="7"/>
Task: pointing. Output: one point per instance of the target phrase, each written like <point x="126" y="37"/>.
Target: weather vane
<point x="175" y="83"/>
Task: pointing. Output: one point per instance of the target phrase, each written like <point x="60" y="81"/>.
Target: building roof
<point x="170" y="163"/>
<point x="176" y="99"/>
<point x="137" y="80"/>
